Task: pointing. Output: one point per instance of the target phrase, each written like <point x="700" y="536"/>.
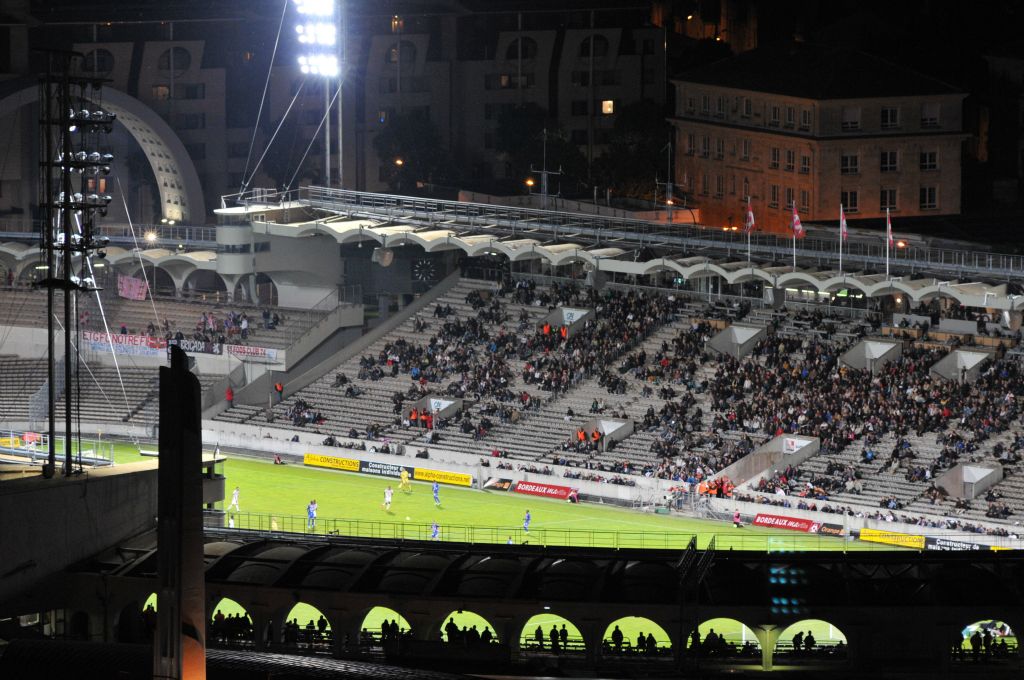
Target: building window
<point x="849" y="164"/>
<point x="732" y="185"/>
<point x="805" y="200"/>
<point x="887" y="199"/>
<point x="789" y="197"/>
<point x="720" y="107"/>
<point x="705" y="104"/>
<point x="890" y="117"/>
<point x="774" y="120"/>
<point x="889" y="161"/>
<point x="608" y="107"/>
<point x="521" y="48"/>
<point x="790" y="160"/>
<point x="746" y="187"/>
<point x="578" y="107"/>
<point x="705" y="146"/>
<point x="98" y="62"/>
<point x="403" y="51"/>
<point x="930" y="115"/>
<point x="929" y="198"/>
<point x="600" y="45"/>
<point x="850" y="118"/>
<point x="773" y="196"/>
<point x="748" y="107"/>
<point x="790" y="117"/>
<point x="805" y="119"/>
<point x="690" y="105"/>
<point x="704" y="188"/>
<point x="929" y="160"/>
<point x="805" y="165"/>
<point x="191" y="121"/>
<point x="848" y="199"/>
<point x="161" y="92"/>
<point x="691" y="144"/>
<point x="773" y="158"/>
<point x="719" y="186"/>
<point x="719" y="149"/>
<point x="177" y="59"/>
<point x="745" y="150"/>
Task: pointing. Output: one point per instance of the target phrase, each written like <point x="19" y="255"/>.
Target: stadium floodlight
<point x="319" y="65"/>
<point x="315" y="8"/>
<point x="319" y="33"/>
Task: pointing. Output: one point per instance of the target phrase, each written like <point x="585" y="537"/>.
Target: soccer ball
<point x="407" y="518"/>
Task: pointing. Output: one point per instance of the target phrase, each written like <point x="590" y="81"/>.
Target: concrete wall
<point x="72" y="519"/>
<point x="767" y="457"/>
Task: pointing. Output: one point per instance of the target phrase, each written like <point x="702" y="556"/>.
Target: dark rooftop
<point x="812" y="71"/>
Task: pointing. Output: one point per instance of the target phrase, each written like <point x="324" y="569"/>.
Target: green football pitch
<point x="276" y="496"/>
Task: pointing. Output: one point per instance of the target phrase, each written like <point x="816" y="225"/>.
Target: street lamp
<point x="150" y="237"/>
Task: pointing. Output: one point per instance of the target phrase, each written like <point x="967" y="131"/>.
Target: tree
<point x="636" y="151"/>
<point x="410" y="150"/>
<point x="520" y="138"/>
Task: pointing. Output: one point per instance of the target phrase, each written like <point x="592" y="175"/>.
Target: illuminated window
<point x="608" y="107"/>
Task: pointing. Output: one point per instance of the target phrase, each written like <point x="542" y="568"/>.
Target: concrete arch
<point x="237" y="625"/>
<point x="200" y="281"/>
<point x="545" y="621"/>
<point x="729" y="635"/>
<point x="374" y="616"/>
<point x="631" y="627"/>
<point x="305" y="629"/>
<point x="999" y="631"/>
<point x="827" y="639"/>
<point x="465" y="620"/>
<point x="181" y="194"/>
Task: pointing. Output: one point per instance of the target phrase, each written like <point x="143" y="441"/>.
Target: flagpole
<point x="794" y="249"/>
<point x="840" y="238"/>
<point x="887" y="239"/>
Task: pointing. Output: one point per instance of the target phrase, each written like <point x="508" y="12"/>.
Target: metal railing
<point x="581" y="538"/>
<point x="865" y="252"/>
<point x="457" y="533"/>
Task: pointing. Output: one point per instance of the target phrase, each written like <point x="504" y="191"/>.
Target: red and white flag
<point x="888" y="229"/>
<point x="843" y="233"/>
<point x="798" y="229"/>
<point x="748" y="223"/>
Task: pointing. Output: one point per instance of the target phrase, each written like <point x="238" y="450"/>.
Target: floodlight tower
<point x="318" y="31"/>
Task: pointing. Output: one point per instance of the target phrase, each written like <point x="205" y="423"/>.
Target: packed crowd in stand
<point x="697" y="412"/>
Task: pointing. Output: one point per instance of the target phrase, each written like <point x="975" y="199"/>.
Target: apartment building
<point x="815" y="127"/>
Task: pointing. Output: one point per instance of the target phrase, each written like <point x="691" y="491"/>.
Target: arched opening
<point x="263" y="293"/>
<point x="521" y="48"/>
<point x="379" y="626"/>
<point x="306" y="627"/>
<point x="635" y="635"/>
<point x="987" y="639"/>
<point x="160" y="282"/>
<point x="231" y="624"/>
<point x="544" y="633"/>
<point x="811" y="638"/>
<point x="176" y="59"/>
<point x="723" y="639"/>
<point x="600" y="47"/>
<point x="468" y="629"/>
<point x="205" y="284"/>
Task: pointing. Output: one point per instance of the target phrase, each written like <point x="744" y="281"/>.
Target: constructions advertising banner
<point x="546" y="490"/>
<point x="915" y="541"/>
<point x="369" y="467"/>
<point x="782" y="522"/>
